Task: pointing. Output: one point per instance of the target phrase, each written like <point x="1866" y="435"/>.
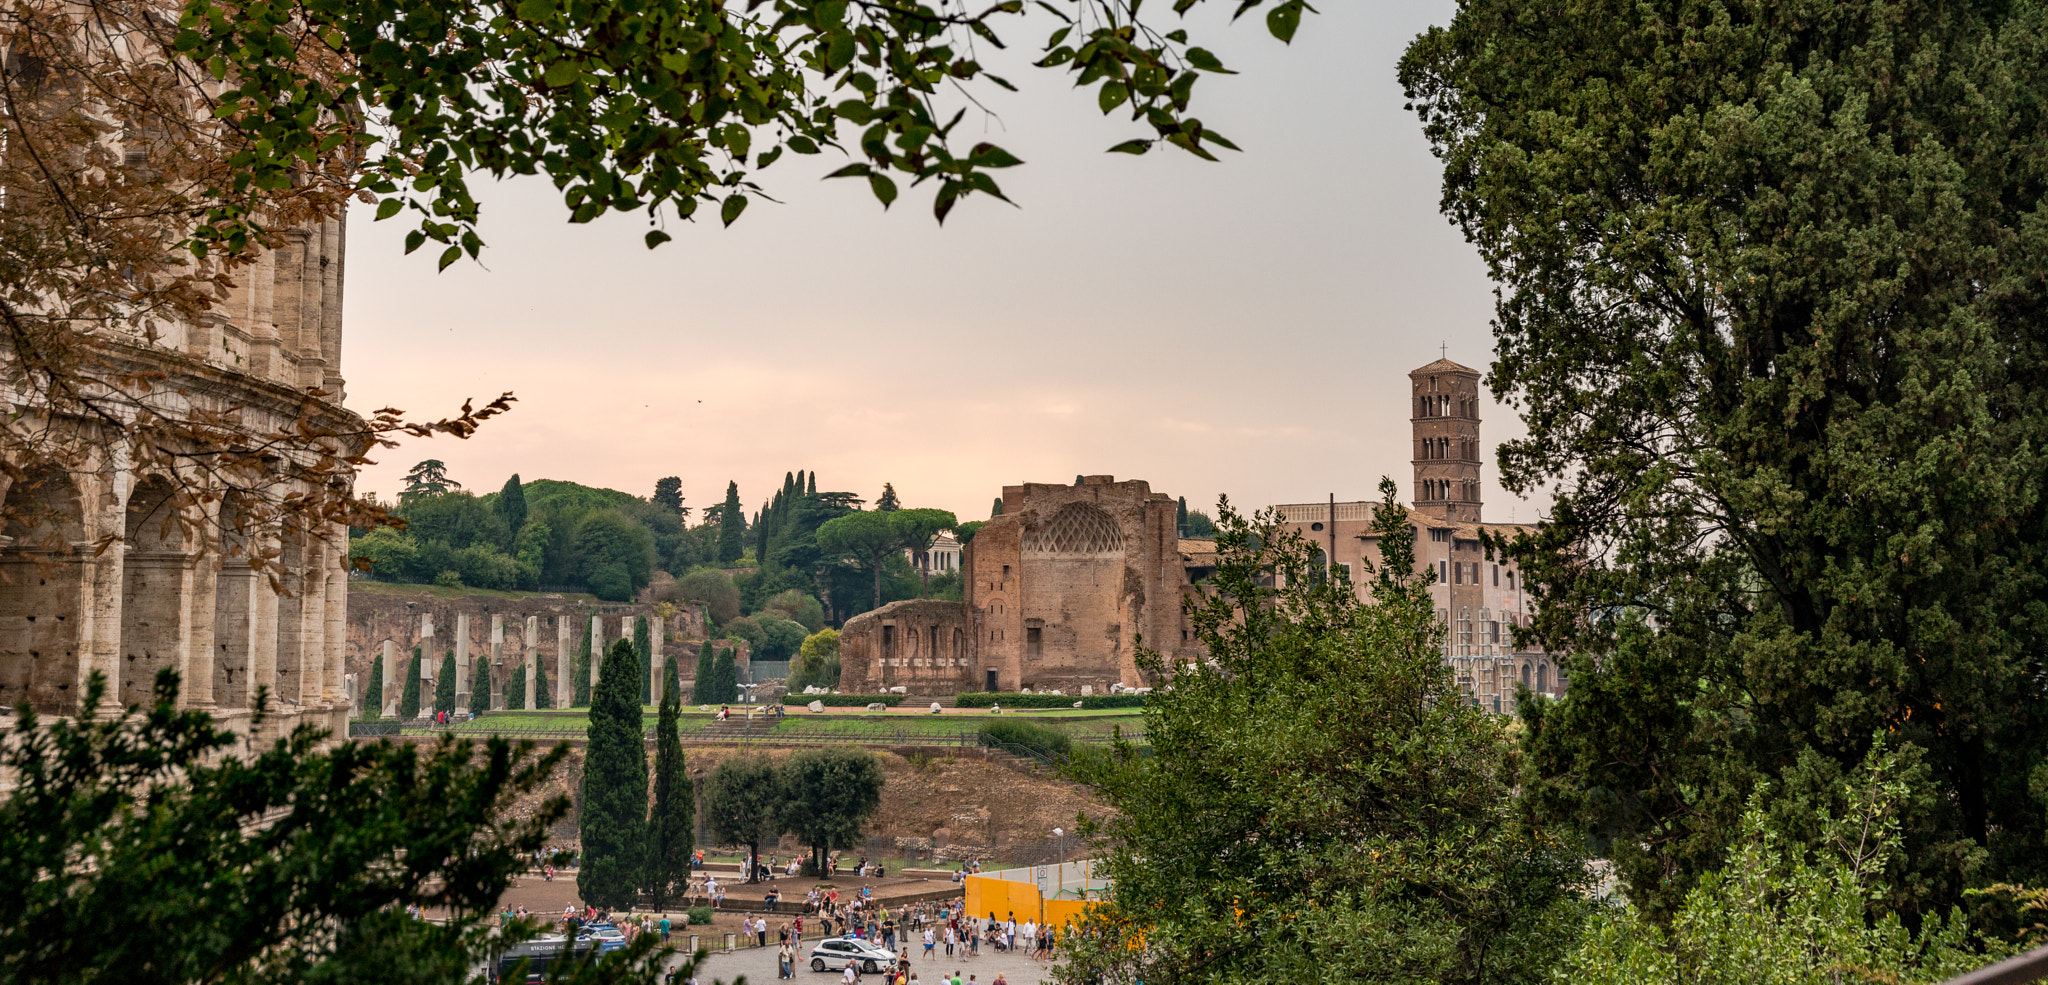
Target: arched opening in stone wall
<point x="234" y="611"/>
<point x="959" y="645"/>
<point x="1543" y="679"/>
<point x="156" y="581"/>
<point x="42" y="591"/>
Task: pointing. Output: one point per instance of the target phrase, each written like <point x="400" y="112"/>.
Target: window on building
<point x="1443" y="569"/>
<point x="1511" y="579"/>
<point x="1034" y="640"/>
<point x="1496" y="575"/>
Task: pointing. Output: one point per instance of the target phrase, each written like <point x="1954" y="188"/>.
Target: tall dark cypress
<point x="812" y="489"/>
<point x="512" y="505"/>
<point x="543" y="695"/>
<point x="726" y="676"/>
<point x="579" y="694"/>
<point x="409" y="699"/>
<point x="612" y="809"/>
<point x="669" y="830"/>
<point x="887" y="501"/>
<point x="372" y="703"/>
<point x="707" y="669"/>
<point x="444" y="689"/>
<point x="732" y="526"/>
<point x="515" y="689"/>
<point x="996" y="510"/>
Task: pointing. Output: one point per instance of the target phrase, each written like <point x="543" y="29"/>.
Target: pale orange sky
<point x="1240" y="328"/>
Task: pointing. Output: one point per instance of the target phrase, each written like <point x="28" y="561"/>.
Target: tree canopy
<point x="612" y="805"/>
<point x="1771" y="278"/>
<point x="742" y="800"/>
<point x="828" y="796"/>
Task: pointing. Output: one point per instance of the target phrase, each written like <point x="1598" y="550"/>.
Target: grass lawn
<point x="368" y="587"/>
<point x="1086" y="726"/>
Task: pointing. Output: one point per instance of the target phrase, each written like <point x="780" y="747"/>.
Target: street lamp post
<point x="1062" y="836"/>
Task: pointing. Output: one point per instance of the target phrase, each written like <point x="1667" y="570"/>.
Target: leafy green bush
<point x="1030" y="735"/>
<point x="700" y="915"/>
<point x="848" y="700"/>
<point x="1011" y="699"/>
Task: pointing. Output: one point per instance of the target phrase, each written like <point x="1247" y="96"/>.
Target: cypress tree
<point x="732" y="526"/>
<point x="643" y="648"/>
<point x="612" y="807"/>
<point x="670" y="828"/>
<point x="444" y="689"/>
<point x="726" y="679"/>
<point x="996" y="510"/>
<point x="512" y="505"/>
<point x="579" y="686"/>
<point x="515" y="689"/>
<point x="543" y="696"/>
<point x="887" y="502"/>
<point x="409" y="699"/>
<point x="812" y="489"/>
<point x="1182" y="517"/>
<point x="707" y="668"/>
<point x="372" y="705"/>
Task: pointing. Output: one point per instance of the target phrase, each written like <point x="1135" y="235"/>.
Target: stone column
<point x="428" y="663"/>
<point x="531" y="638"/>
<point x="335" y="636"/>
<point x="199" y="661"/>
<point x="462" y="665"/>
<point x="655" y="631"/>
<point x="394" y="687"/>
<point x="563" y="685"/>
<point x="596" y="649"/>
<point x="497" y="662"/>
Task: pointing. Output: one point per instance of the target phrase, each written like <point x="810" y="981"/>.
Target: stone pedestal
<point x="462" y="665"/>
<point x="656" y="673"/>
<point x="497" y="662"/>
<point x="531" y="638"/>
<point x="394" y="681"/>
<point x="563" y="683"/>
<point x="596" y="649"/>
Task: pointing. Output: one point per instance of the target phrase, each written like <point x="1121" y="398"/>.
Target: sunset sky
<point x="1240" y="328"/>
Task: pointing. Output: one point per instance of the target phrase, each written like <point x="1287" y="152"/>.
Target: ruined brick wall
<point x="1067" y="581"/>
<point x="922" y="645"/>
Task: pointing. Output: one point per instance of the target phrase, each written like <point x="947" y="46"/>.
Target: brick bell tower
<point x="1445" y="402"/>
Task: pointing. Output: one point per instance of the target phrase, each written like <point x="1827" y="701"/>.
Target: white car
<point x="835" y="953"/>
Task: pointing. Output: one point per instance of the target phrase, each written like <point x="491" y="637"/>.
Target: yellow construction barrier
<point x="1002" y="898"/>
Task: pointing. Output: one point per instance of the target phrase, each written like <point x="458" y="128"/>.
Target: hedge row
<point x="846" y="700"/>
<point x="1046" y="741"/>
<point x="1012" y="699"/>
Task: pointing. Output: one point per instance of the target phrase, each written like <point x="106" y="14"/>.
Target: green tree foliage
<point x="1321" y="779"/>
<point x="725" y="678"/>
<point x="997" y="509"/>
<point x="579" y="694"/>
<point x="887" y="502"/>
<point x="1770" y="290"/>
<point x="543" y="695"/>
<point x="428" y="478"/>
<point x="668" y="494"/>
<point x="706" y="680"/>
<point x="917" y="529"/>
<point x="615" y="555"/>
<point x="444" y="686"/>
<point x="669" y="829"/>
<point x="612" y="807"/>
<point x="732" y="527"/>
<point x="743" y="798"/>
<point x="643" y="650"/>
<point x="713" y="589"/>
<point x="216" y="861"/>
<point x="964" y="532"/>
<point x="515" y="688"/>
<point x="1198" y="526"/>
<point x="780" y="639"/>
<point x="828" y="796"/>
<point x="867" y="537"/>
<point x="511" y="504"/>
<point x="1181" y="516"/>
<point x="817" y="662"/>
<point x="372" y="703"/>
<point x="409" y="698"/>
<point x="797" y="607"/>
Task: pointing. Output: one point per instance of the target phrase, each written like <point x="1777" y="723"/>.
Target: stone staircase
<point x="732" y="728"/>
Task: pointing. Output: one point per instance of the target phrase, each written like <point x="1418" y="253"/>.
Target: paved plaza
<point x="758" y="965"/>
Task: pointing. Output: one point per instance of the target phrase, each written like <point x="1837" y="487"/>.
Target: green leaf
<point x="1284" y="19"/>
<point x="1202" y="59"/>
<point x="991" y="156"/>
<point x="884" y="188"/>
<point x="1112" y="95"/>
<point x="656" y="237"/>
<point x="949" y="193"/>
<point x="534" y="10"/>
<point x="388" y="208"/>
<point x="730" y="211"/>
<point x="448" y="256"/>
<point x="560" y="74"/>
<point x="1132" y="147"/>
<point x="854" y="170"/>
<point x="803" y="145"/>
<point x="414" y="239"/>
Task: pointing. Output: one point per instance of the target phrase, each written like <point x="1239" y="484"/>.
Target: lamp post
<point x="1062" y="836"/>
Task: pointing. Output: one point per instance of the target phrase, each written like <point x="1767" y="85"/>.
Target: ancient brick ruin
<point x="1061" y="589"/>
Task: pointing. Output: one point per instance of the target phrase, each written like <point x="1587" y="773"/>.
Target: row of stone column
<point x="394" y="682"/>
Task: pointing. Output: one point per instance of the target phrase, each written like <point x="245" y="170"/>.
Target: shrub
<point x="700" y="915"/>
<point x="1030" y="735"/>
<point x="1012" y="699"/>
